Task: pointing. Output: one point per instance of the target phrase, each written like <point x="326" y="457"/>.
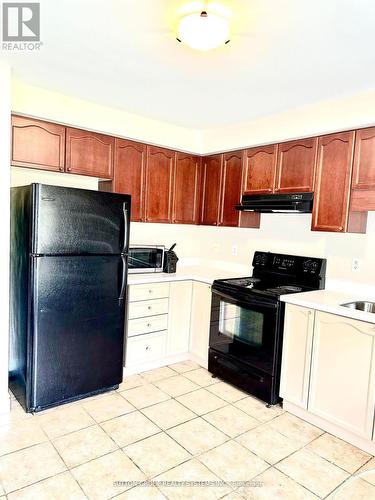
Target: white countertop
<point x="330" y="301"/>
<point x="194" y="273"/>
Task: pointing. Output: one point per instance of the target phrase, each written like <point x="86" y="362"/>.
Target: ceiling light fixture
<point x="202" y="31"/>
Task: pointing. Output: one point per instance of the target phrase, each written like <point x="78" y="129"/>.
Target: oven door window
<point x="244" y="330"/>
<point x="242" y="324"/>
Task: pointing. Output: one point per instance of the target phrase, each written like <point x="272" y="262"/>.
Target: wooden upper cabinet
<point x="129" y="174"/>
<point x="186" y="189"/>
<point x="231" y="188"/>
<point x="212" y="182"/>
<point x="332" y="185"/>
<point x="364" y="159"/>
<point x="296" y="166"/>
<point x="37" y="144"/>
<point x="159" y="182"/>
<point x="89" y="153"/>
<point x="260" y="169"/>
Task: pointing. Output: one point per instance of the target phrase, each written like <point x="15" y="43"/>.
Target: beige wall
<point x="347" y="113"/>
<point x="53" y="106"/>
<point x="5" y="103"/>
<point x="24" y="176"/>
<point x="283" y="233"/>
<point x="328" y="116"/>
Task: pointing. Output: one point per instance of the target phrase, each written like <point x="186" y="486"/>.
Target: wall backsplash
<point x="283" y="233"/>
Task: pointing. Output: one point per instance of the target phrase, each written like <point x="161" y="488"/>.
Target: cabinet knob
<point x="61" y="169"/>
<point x="149" y="308"/>
<point x="147" y="348"/>
<point x="149" y="325"/>
<point x="150" y="291"/>
<point x="69" y="169"/>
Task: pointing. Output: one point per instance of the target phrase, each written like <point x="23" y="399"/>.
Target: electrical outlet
<point x="356" y="264"/>
<point x="234" y="250"/>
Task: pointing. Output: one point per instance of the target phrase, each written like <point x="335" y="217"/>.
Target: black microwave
<point x="146" y="258"/>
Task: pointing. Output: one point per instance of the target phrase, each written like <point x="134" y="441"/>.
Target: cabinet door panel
<point x="38" y="144"/>
<point x="186" y="189"/>
<point x="200" y="322"/>
<point x="364" y="159"/>
<point x="179" y="317"/>
<point x="89" y="153"/>
<point x="129" y="174"/>
<point x="296" y="359"/>
<point x="212" y="179"/>
<point x="232" y="179"/>
<point x="260" y="166"/>
<point x="159" y="173"/>
<point x="295" y="166"/>
<point x="342" y="373"/>
<point x="332" y="186"/>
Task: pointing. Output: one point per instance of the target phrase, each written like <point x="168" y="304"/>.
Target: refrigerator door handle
<point x="125" y="212"/>
<point x="123" y="278"/>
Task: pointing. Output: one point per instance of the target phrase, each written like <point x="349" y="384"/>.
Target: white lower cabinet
<point x="296" y="358"/>
<point x="342" y="387"/>
<point x="147" y="323"/>
<point x="180" y="296"/>
<point x="158" y="324"/>
<point x="200" y="322"/>
<point x="145" y="348"/>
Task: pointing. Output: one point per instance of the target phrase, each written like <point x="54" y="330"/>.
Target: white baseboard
<point x="198" y="359"/>
<point x="4" y="407"/>
<point x="158" y="363"/>
<point x="358" y="441"/>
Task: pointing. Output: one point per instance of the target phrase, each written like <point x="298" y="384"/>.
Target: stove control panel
<point x="289" y="264"/>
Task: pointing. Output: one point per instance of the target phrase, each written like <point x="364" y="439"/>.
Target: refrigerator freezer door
<point x="78" y="326"/>
<point x="78" y="221"/>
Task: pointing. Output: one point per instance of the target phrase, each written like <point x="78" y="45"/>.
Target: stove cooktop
<point x="256" y="285"/>
<point x="278" y="274"/>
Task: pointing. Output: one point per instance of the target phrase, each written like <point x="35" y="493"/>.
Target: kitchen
<point x="184" y="183"/>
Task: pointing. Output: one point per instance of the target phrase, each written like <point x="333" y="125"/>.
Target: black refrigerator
<point x="68" y="282"/>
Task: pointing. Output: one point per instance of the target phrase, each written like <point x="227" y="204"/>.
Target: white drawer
<point x="145" y="348"/>
<point x="141" y="326"/>
<point x="148" y="291"/>
<point x="145" y="308"/>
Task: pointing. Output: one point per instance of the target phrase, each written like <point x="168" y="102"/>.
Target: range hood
<point x="279" y="203"/>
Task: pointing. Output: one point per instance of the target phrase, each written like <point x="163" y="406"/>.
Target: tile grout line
<point x="165" y="431"/>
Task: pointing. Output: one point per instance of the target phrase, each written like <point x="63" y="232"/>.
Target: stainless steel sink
<point x="361" y="306"/>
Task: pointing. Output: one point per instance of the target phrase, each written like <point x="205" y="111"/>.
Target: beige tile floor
<point x="175" y="423"/>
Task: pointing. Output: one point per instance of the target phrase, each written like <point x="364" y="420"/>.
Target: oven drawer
<point x="145" y="348"/>
<point x="148" y="291"/>
<point x="145" y="308"/>
<point x="140" y="326"/>
<point x="243" y="376"/>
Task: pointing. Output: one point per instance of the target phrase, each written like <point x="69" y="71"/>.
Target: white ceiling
<point x="123" y="53"/>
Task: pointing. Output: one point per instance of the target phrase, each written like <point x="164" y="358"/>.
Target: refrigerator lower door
<point x="77" y="327"/>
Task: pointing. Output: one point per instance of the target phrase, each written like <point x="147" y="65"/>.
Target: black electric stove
<point x="247" y="319"/>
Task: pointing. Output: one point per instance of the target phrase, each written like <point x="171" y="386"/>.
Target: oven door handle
<point x="251" y="301"/>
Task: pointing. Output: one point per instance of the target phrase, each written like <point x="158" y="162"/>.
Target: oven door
<point x="245" y="329"/>
<point x="146" y="259"/>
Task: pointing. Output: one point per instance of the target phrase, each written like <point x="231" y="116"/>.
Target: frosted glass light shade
<point x="202" y="31"/>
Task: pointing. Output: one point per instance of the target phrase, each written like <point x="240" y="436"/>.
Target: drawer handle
<point x="147" y="348"/>
<point x="149" y="308"/>
<point x="149" y="325"/>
